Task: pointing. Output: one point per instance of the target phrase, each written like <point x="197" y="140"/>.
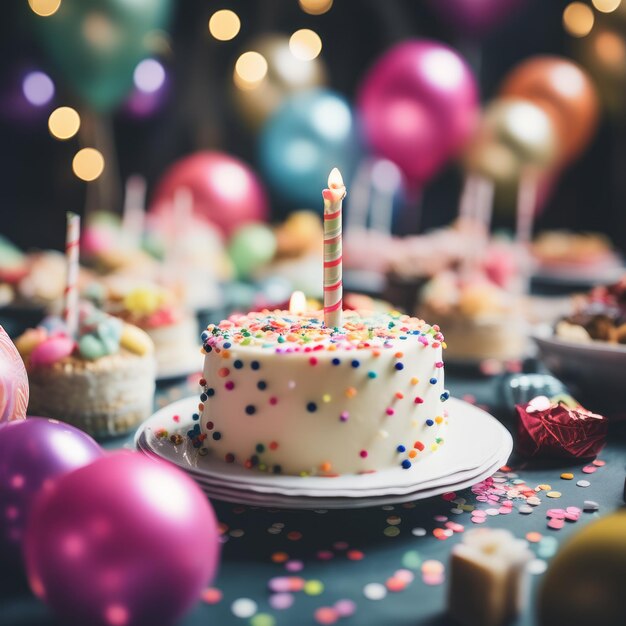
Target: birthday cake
<point x="285" y="393"/>
<point x="102" y="381"/>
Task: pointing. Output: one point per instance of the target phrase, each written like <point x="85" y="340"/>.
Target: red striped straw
<point x="72" y="243"/>
<point x="333" y="271"/>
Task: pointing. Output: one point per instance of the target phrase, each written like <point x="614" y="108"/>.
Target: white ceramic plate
<point x="597" y="366"/>
<point x="456" y="463"/>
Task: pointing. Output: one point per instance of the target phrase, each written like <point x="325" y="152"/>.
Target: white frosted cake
<point x="285" y="394"/>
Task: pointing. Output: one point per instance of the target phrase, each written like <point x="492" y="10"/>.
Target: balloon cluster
<point x="96" y="44"/>
<point x="106" y="539"/>
<point x="544" y="117"/>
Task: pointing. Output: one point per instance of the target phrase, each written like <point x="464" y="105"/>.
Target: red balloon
<point x="418" y="105"/>
<point x="225" y="191"/>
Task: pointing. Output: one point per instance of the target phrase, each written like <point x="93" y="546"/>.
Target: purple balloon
<point x="34" y="452"/>
<point x="418" y="105"/>
<point x="125" y="541"/>
<point x="475" y="18"/>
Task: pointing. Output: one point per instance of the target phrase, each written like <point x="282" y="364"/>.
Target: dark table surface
<point x="340" y="552"/>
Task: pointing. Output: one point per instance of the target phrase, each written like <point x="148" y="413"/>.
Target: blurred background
<point x="152" y="82"/>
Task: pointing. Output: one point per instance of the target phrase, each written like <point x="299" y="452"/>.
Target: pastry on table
<point x="102" y="381"/>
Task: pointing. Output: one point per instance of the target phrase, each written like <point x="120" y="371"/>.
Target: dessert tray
<point x="475" y="448"/>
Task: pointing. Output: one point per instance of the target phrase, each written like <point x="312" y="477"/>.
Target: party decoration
<point x="475" y="18"/>
<point x="559" y="428"/>
<point x="251" y="246"/>
<point x="333" y="269"/>
<point x="125" y="540"/>
<point x="585" y="581"/>
<point x="72" y="245"/>
<point x="285" y="76"/>
<point x="309" y="135"/>
<point x="96" y="44"/>
<point x="418" y="105"/>
<point x="225" y="190"/>
<point x="33" y="452"/>
<point x="564" y="90"/>
<point x="13" y="381"/>
<point x="513" y="134"/>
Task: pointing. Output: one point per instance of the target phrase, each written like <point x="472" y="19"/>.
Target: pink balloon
<point x="13" y="381"/>
<point x="475" y="18"/>
<point x="418" y="105"/>
<point x="226" y="191"/>
<point x="125" y="541"/>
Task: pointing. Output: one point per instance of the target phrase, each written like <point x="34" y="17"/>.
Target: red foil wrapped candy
<point x="559" y="428"/>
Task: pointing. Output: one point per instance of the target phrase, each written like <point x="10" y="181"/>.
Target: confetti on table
<point x="583" y="483"/>
<point x="553" y="494"/>
<point x="590" y="505"/>
<point x="567" y="476"/>
<point x="262" y="619"/>
<point x="211" y="595"/>
<point x="537" y="566"/>
<point x="243" y="607"/>
<point x="374" y="591"/>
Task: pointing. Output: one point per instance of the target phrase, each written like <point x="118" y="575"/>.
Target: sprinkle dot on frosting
<point x="262" y="385"/>
<point x="363" y="454"/>
<point x="399" y="366"/>
<point x="401" y="448"/>
<point x="217" y="435"/>
<point x="210" y="392"/>
<point x="433" y="381"/>
<point x="429" y="422"/>
<point x="238" y="364"/>
<point x="355" y="363"/>
<point x="406" y="464"/>
<point x="255" y="365"/>
<point x="336" y="361"/>
<point x="230" y="385"/>
<point x="223" y="372"/>
<point x="251" y="409"/>
<point x="344" y="416"/>
<point x="372" y="374"/>
<point x="311" y="407"/>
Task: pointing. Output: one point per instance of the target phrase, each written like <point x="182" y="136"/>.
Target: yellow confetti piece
<point x="543" y="488"/>
<point x="567" y="476"/>
<point x="313" y="587"/>
<point x="391" y="531"/>
<point x="553" y="494"/>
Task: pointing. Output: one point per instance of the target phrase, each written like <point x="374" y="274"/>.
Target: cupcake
<point x="101" y="382"/>
<point x="154" y="309"/>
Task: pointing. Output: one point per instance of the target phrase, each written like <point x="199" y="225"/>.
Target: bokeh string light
<point x="250" y="70"/>
<point x="63" y="123"/>
<point x="38" y="88"/>
<point x="578" y="19"/>
<point x="606" y="6"/>
<point x="149" y="76"/>
<point x="315" y="7"/>
<point x="44" y="8"/>
<point x="224" y="25"/>
<point x="305" y="44"/>
<point x="88" y="164"/>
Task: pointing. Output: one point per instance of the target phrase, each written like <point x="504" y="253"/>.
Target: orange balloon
<point x="565" y="91"/>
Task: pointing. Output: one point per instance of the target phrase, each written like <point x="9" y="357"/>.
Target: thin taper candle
<point x="333" y="272"/>
<point x="72" y="242"/>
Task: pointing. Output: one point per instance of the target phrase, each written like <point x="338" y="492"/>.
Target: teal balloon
<point x="96" y="44"/>
<point x="251" y="246"/>
<point x="311" y="133"/>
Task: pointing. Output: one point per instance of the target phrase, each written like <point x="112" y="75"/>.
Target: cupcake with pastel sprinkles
<point x="283" y="392"/>
<point x="100" y="379"/>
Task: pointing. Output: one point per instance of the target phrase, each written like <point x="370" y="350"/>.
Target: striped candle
<point x="333" y="285"/>
<point x="72" y="241"/>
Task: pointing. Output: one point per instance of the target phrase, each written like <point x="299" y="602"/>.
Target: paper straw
<point x="72" y="243"/>
<point x="333" y="273"/>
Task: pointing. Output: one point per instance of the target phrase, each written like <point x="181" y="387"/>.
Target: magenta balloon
<point x="33" y="452"/>
<point x="226" y="191"/>
<point x="418" y="105"/>
<point x="475" y="18"/>
<point x="13" y="381"/>
<point x="125" y="541"/>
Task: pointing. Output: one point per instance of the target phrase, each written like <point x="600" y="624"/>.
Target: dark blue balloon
<point x="311" y="133"/>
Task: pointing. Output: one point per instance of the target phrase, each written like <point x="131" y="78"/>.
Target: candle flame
<point x="297" y="303"/>
<point x="335" y="181"/>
